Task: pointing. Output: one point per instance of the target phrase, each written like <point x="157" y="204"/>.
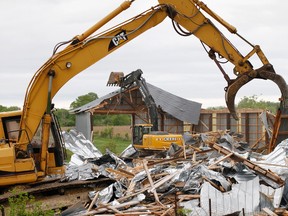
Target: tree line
<point x="254" y="102"/>
<point x="66" y="119"/>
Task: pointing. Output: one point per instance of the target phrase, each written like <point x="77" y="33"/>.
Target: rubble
<point x="216" y="173"/>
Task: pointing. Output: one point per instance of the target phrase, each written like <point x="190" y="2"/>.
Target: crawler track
<point x="56" y="194"/>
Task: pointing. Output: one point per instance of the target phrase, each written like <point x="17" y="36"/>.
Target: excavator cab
<point x="139" y="131"/>
<point x="18" y="165"/>
<point x="144" y="138"/>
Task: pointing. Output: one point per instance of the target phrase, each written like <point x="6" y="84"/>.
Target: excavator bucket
<point x="115" y="79"/>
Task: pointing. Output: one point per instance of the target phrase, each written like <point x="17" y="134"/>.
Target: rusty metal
<point x="275" y="133"/>
<point x="115" y="79"/>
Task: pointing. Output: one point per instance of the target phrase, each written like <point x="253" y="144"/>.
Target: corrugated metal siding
<point x="181" y="108"/>
<point x="242" y="196"/>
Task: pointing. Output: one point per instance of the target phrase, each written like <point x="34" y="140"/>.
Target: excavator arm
<point x="86" y="49"/>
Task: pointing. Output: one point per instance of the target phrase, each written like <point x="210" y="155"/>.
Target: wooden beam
<point x="259" y="170"/>
<point x="269" y="212"/>
<point x="218" y="161"/>
<point x="150" y="181"/>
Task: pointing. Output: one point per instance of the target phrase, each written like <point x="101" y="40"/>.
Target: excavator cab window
<point x="138" y="133"/>
<point x="146" y="130"/>
<point x="11" y="127"/>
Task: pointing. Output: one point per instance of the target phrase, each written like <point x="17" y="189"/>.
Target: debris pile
<point x="216" y="173"/>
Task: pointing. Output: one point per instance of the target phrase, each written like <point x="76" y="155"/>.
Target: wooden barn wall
<point x="166" y="122"/>
<point x="249" y="125"/>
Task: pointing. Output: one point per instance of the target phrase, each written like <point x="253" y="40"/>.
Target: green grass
<point x="22" y="204"/>
<point x="114" y="144"/>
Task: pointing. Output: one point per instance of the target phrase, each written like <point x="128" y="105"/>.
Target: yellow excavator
<point x="21" y="162"/>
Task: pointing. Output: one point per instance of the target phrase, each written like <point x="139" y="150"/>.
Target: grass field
<point x="115" y="138"/>
<point x="114" y="144"/>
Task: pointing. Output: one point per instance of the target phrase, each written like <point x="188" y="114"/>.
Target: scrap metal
<point x="217" y="175"/>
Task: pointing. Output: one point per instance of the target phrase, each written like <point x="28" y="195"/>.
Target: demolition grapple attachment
<point x="265" y="72"/>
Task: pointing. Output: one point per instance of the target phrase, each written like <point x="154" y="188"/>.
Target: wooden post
<point x="210" y="211"/>
<point x="150" y="181"/>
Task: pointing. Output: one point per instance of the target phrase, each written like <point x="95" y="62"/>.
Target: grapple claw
<point x="231" y="91"/>
<point x="265" y="72"/>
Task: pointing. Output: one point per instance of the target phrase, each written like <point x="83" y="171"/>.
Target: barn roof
<point x="180" y="108"/>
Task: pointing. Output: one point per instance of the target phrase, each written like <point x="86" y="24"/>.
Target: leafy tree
<point x="121" y="119"/>
<point x="116" y="119"/>
<point x="253" y="102"/>
<point x="83" y="99"/>
<point x="65" y="118"/>
<point x="6" y="109"/>
<point x="216" y="108"/>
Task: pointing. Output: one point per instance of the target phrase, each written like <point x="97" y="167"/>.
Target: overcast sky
<point x="31" y="28"/>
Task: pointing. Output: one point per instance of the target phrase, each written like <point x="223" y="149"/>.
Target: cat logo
<point x="117" y="40"/>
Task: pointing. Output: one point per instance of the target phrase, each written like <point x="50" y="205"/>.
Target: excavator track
<point x="54" y="194"/>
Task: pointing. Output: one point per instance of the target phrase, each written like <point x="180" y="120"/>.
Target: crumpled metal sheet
<point x="244" y="195"/>
<point x="277" y="159"/>
<point x="238" y="171"/>
<point x="78" y="144"/>
<point x="113" y="190"/>
<point x="102" y="170"/>
<point x="83" y="149"/>
<point x="104" y="195"/>
<point x="82" y="172"/>
<point x="119" y="161"/>
<point x="129" y="151"/>
<point x="264" y="118"/>
<point x="274" y="195"/>
<point x="212" y="175"/>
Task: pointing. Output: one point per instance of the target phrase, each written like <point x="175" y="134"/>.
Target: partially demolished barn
<point x="176" y="115"/>
<point x="173" y="111"/>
